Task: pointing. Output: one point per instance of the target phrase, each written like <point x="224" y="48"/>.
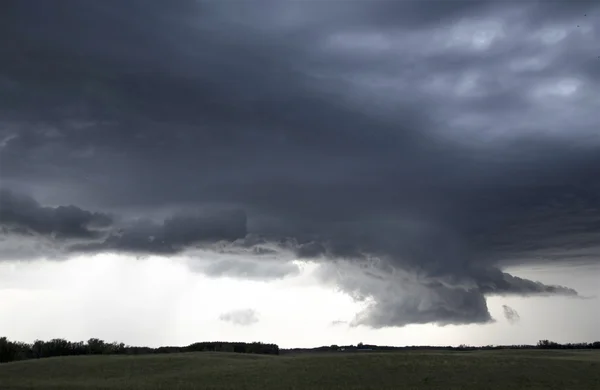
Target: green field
<point x="363" y="370"/>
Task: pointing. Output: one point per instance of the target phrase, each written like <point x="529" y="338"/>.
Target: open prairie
<point x="509" y="369"/>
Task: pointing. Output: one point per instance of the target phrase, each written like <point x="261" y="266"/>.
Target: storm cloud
<point x="413" y="149"/>
<point x="23" y="214"/>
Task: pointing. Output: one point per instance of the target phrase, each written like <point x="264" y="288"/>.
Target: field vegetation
<point x="431" y="369"/>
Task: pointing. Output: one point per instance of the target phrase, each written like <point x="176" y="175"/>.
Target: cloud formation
<point x="23" y="214"/>
<point x="511" y="315"/>
<point x="413" y="149"/>
<point x="245" y="317"/>
<point x="174" y="234"/>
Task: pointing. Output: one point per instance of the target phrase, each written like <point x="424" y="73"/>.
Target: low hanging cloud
<point x="250" y="264"/>
<point x="511" y="315"/>
<point x="174" y="234"/>
<point x="32" y="231"/>
<point x="246" y="317"/>
<point x="291" y="135"/>
<point x="396" y="297"/>
<point x="23" y="214"/>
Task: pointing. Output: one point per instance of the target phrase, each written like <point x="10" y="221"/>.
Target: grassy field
<point x="364" y="370"/>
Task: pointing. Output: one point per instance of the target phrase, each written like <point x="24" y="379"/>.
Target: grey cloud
<point x="311" y="250"/>
<point x="439" y="306"/>
<point x="448" y="141"/>
<point x="502" y="283"/>
<point x="248" y="268"/>
<point x="245" y="317"/>
<point x="16" y="246"/>
<point x="72" y="229"/>
<point x="32" y="231"/>
<point x="22" y="214"/>
<point x="397" y="297"/>
<point x="511" y="314"/>
<point x="29" y="230"/>
<point x="251" y="258"/>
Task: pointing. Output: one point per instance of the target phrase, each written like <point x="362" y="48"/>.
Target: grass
<point x="394" y="370"/>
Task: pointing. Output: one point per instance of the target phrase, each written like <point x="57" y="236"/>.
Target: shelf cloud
<point x="413" y="150"/>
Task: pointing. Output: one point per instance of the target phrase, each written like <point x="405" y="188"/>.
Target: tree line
<point x="360" y="347"/>
<point x="547" y="344"/>
<point x="13" y="350"/>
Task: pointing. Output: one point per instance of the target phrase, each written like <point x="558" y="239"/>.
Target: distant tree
<point x="7" y="351"/>
<point x="38" y="349"/>
<point x="95" y="346"/>
<point x="547" y="344"/>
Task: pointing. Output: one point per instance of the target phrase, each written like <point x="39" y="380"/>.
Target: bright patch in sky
<point x="559" y="88"/>
<point x="158" y="301"/>
<point x="552" y="35"/>
<point x="476" y="35"/>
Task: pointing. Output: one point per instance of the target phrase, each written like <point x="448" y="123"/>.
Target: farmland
<point x="502" y="369"/>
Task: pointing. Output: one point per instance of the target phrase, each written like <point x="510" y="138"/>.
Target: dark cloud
<point x="437" y="142"/>
<point x="245" y="317"/>
<point x="22" y="214"/>
<point x="174" y="234"/>
<point x="511" y="314"/>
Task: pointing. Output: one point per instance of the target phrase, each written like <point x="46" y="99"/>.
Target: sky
<point x="300" y="172"/>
